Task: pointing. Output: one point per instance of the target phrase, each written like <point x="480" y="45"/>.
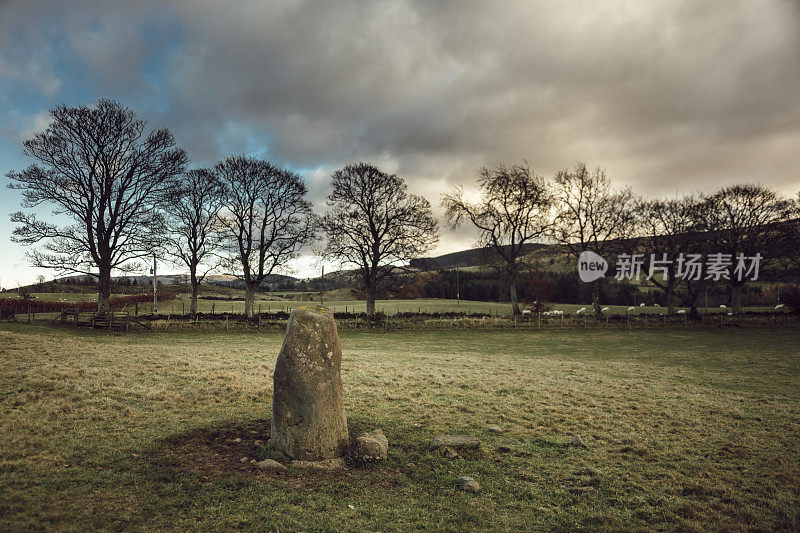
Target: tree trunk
<point x="512" y="290"/>
<point x="596" y="297"/>
<point x="694" y="294"/>
<point x="195" y="289"/>
<point x="104" y="288"/>
<point x="736" y="299"/>
<point x="249" y="296"/>
<point x="670" y="297"/>
<point x="370" y="300"/>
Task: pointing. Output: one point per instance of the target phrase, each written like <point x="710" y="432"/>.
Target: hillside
<point x="464" y="258"/>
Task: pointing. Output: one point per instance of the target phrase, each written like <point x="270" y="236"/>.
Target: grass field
<point x="690" y="430"/>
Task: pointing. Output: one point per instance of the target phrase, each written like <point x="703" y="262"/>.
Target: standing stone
<point x="308" y="420"/>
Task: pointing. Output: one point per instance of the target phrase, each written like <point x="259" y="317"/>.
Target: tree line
<point x="580" y="211"/>
<point x="120" y="193"/>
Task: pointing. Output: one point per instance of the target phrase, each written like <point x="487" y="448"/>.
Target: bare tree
<point x="670" y="228"/>
<point x="514" y="209"/>
<point x="375" y="225"/>
<point x="591" y="216"/>
<point x="743" y="221"/>
<point x="193" y="225"/>
<point x="98" y="169"/>
<point x="265" y="219"/>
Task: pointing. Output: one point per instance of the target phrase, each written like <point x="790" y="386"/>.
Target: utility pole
<point x="458" y="290"/>
<point x="155" y="285"/>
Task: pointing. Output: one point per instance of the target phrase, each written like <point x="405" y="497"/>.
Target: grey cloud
<point x="668" y="95"/>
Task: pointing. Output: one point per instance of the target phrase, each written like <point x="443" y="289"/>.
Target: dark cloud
<point x="668" y="95"/>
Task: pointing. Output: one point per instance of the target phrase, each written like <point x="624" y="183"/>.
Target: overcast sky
<point x="668" y="95"/>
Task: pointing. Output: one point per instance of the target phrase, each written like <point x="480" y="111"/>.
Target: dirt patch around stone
<point x="235" y="449"/>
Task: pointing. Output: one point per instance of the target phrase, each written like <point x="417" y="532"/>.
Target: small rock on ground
<point x="495" y="429"/>
<point x="450" y="453"/>
<point x="468" y="484"/>
<point x="370" y="446"/>
<point x="455" y="442"/>
<point x="269" y="464"/>
<point x="578" y="441"/>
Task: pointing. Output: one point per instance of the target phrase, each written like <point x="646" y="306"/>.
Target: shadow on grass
<point x="221" y="450"/>
<point x="543" y="446"/>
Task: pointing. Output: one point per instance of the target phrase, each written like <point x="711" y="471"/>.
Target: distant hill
<point x="464" y="258"/>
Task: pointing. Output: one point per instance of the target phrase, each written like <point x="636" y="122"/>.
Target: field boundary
<point x="125" y="321"/>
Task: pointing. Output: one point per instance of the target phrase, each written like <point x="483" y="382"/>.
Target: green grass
<point x="690" y="430"/>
